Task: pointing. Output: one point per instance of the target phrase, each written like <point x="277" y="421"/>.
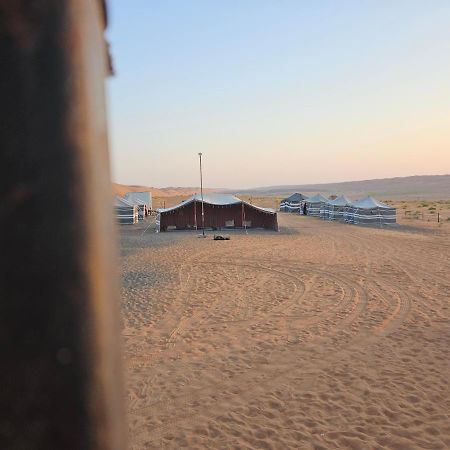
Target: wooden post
<point x="195" y="213"/>
<point x="61" y="378"/>
<point x="243" y="218"/>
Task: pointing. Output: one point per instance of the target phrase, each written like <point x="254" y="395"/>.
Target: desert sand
<point x="321" y="336"/>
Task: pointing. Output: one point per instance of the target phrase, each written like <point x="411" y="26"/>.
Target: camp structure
<point x="126" y="213"/>
<point x="220" y="211"/>
<point x="370" y="211"/>
<point x="335" y="209"/>
<point x="312" y="205"/>
<point x="292" y="203"/>
<point x="143" y="200"/>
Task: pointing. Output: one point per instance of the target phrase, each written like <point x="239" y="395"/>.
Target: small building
<point x="143" y="200"/>
<point x="370" y="211"/>
<point x="221" y="211"/>
<point x="126" y="213"/>
<point x="292" y="203"/>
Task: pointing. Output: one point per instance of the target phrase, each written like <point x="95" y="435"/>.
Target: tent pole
<point x="201" y="192"/>
<point x="243" y="218"/>
<point x="195" y="213"/>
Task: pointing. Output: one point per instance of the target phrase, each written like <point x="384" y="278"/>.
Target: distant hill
<point x="122" y="189"/>
<point x="430" y="187"/>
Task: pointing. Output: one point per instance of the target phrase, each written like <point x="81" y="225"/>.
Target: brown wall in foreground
<point x="61" y="376"/>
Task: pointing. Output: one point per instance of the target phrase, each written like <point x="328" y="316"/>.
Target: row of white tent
<point x="364" y="211"/>
<point x="131" y="208"/>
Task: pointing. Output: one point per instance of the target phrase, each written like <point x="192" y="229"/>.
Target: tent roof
<point x="216" y="200"/>
<point x="296" y="197"/>
<point x="120" y="201"/>
<point x="139" y="198"/>
<point x="342" y="200"/>
<point x="318" y="198"/>
<point x="369" y="203"/>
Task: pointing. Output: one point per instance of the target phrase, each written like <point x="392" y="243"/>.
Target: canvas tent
<point x="221" y="211"/>
<point x="370" y="211"/>
<point x="126" y="213"/>
<point x="313" y="204"/>
<point x="335" y="209"/>
<point x="292" y="203"/>
<point x="142" y="200"/>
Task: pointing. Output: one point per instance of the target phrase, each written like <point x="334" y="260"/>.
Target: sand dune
<point x="419" y="187"/>
<point x="323" y="336"/>
<point x="122" y="189"/>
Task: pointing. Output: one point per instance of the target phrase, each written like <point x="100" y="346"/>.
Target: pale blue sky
<point x="278" y="92"/>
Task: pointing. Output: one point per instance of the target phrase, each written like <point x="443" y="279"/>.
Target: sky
<point x="278" y="92"/>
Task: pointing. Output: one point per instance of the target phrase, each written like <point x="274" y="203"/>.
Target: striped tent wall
<point x="292" y="207"/>
<point x="374" y="216"/>
<point x="325" y="211"/>
<point x="335" y="209"/>
<point x="293" y="203"/>
<point x="313" y="209"/>
<point x="370" y="211"/>
<point x="337" y="212"/>
<point x="315" y="204"/>
<point x="125" y="212"/>
<point x="126" y="215"/>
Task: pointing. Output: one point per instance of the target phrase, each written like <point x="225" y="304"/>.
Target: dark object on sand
<point x="221" y="237"/>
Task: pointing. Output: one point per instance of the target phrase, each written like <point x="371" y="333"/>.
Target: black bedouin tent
<point x="292" y="203"/>
<point x="220" y="211"/>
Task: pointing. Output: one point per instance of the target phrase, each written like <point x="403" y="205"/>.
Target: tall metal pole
<point x="201" y="193"/>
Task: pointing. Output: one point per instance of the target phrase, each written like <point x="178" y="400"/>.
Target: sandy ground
<point x="322" y="336"/>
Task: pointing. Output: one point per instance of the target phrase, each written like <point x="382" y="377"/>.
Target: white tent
<point x="142" y="200"/>
<point x="314" y="204"/>
<point x="335" y="209"/>
<point x="370" y="211"/>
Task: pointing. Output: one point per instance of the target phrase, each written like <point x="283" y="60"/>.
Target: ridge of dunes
<point x="420" y="187"/>
<point x="122" y="189"/>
